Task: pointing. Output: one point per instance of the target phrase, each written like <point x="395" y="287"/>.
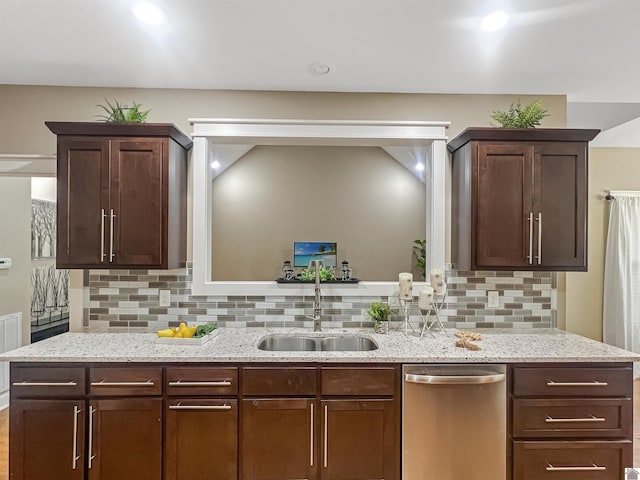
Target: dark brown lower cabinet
<point x="571" y="460"/>
<point x="125" y="439"/>
<point x="359" y="440"/>
<point x="278" y="439"/>
<point x="47" y="439"/>
<point x="201" y="439"/>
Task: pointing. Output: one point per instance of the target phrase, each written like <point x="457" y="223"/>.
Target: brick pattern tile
<point x="129" y="298"/>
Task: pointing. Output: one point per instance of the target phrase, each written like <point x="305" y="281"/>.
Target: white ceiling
<point x="585" y="49"/>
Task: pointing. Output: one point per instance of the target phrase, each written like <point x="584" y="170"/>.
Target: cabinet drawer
<point x="50" y="382"/>
<point x="279" y="381"/>
<point x="571" y="460"/>
<point x="358" y="381"/>
<point x="106" y="381"/>
<point x="573" y="381"/>
<point x="607" y="418"/>
<point x="202" y="381"/>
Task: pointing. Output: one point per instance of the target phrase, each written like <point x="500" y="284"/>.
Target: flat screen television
<point x="304" y="252"/>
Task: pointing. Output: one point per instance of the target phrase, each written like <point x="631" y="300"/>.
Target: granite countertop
<point x="240" y="345"/>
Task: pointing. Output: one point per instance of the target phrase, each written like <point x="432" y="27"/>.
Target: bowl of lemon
<point x="187" y="334"/>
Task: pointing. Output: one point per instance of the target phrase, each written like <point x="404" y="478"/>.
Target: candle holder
<point x="405" y="310"/>
<point x="433" y="313"/>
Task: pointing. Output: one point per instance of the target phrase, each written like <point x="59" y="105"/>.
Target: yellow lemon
<point x="189" y="332"/>
<point x="167" y="332"/>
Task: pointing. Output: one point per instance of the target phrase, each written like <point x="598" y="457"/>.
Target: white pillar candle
<point x="437" y="281"/>
<point x="406" y="286"/>
<point x="425" y="298"/>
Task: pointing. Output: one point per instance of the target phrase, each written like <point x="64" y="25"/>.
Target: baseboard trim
<point x="4" y="400"/>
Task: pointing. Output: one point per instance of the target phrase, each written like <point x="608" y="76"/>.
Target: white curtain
<point x="621" y="308"/>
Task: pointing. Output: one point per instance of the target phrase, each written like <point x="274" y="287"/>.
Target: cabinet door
<point x="504" y="205"/>
<point x="278" y="439"/>
<point x="138" y="202"/>
<point x="201" y="439"/>
<point x="83" y="197"/>
<point x="360" y="440"/>
<point x="47" y="439"/>
<point x="560" y="204"/>
<point x="125" y="439"/>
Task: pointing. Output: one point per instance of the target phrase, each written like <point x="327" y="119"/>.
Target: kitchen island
<point x="106" y="405"/>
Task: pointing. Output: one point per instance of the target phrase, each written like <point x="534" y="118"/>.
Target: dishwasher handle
<point x="454" y="379"/>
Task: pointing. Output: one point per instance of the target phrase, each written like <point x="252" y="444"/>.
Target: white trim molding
<point x="211" y="135"/>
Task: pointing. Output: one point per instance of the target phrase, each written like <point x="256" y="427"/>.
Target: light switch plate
<point x="165" y="298"/>
<point x="493" y="299"/>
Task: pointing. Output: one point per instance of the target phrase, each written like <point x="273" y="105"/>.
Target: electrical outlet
<point x="165" y="298"/>
<point x="493" y="299"/>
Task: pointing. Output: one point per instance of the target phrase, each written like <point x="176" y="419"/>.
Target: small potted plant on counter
<point x="380" y="313"/>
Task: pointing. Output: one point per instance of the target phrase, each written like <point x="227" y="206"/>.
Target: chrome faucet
<point x="317" y="318"/>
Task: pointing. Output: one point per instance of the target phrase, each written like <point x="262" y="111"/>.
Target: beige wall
<point x="609" y="169"/>
<point x="24" y="109"/>
<point x="361" y="198"/>
<point x="15" y="242"/>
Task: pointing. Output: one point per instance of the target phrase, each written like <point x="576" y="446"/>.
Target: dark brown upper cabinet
<point x="121" y="195"/>
<point x="519" y="199"/>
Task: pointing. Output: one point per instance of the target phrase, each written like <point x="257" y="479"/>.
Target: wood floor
<point x="4" y="434"/>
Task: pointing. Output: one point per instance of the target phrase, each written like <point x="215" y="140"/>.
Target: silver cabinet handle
<point x="326" y="434"/>
<point x="111" y="254"/>
<point x="592" y="468"/>
<point x="595" y="383"/>
<point x="530" y="256"/>
<point x="590" y="418"/>
<point x="90" y="454"/>
<point x="311" y="424"/>
<point x="44" y="384"/>
<point x="102" y="383"/>
<point x="180" y="383"/>
<point x="103" y="215"/>
<point x="454" y="379"/>
<point x="539" y="256"/>
<point x="74" y="448"/>
<point x="200" y="407"/>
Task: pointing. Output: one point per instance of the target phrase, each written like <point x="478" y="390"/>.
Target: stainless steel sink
<point x="301" y="343"/>
<point x="348" y="344"/>
<point x="287" y="343"/>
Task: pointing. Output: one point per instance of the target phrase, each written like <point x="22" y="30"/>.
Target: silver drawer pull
<point x="180" y="383"/>
<point x="590" y="418"/>
<point x="102" y="383"/>
<point x="595" y="383"/>
<point x="74" y="447"/>
<point x="592" y="468"/>
<point x="45" y="384"/>
<point x="200" y="407"/>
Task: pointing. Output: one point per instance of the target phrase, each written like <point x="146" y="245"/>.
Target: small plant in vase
<point x="120" y="113"/>
<point x="380" y="313"/>
<point x="518" y="116"/>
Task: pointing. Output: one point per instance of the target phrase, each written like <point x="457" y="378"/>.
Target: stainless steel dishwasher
<point x="454" y="422"/>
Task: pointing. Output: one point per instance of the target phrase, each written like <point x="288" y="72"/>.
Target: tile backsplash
<point x="129" y="299"/>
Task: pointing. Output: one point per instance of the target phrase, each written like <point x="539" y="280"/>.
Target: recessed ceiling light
<point x="320" y="68"/>
<point x="215" y="164"/>
<point x="149" y="13"/>
<point x="419" y="166"/>
<point x="494" y="21"/>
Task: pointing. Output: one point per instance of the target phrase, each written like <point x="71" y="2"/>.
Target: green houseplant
<point x="518" y="116"/>
<point x="380" y="313"/>
<point x="117" y="112"/>
<point x="420" y="252"/>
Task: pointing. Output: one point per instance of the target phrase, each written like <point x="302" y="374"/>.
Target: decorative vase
<point x="381" y="327"/>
